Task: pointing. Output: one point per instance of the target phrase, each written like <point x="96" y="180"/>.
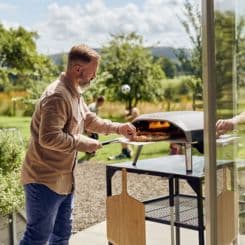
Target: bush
<point x="11" y="155"/>
<point x="12" y="197"/>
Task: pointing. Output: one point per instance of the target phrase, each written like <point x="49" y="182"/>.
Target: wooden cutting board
<point x="227" y="214"/>
<point x="125" y="218"/>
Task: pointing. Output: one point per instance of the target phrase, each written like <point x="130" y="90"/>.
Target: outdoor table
<point x="187" y="209"/>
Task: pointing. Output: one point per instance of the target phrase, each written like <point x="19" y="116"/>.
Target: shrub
<point x="12" y="197"/>
<point x="11" y="155"/>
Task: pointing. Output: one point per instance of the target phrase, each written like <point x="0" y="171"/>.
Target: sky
<point x="63" y="23"/>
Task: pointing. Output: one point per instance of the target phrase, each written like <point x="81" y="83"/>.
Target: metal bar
<point x="177" y="210"/>
<point x="12" y="229"/>
<point x="139" y="149"/>
<point x="171" y="204"/>
<point x="200" y="213"/>
<point x="188" y="157"/>
<point x="208" y="55"/>
<point x="109" y="173"/>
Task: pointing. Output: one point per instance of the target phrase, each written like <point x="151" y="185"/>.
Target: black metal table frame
<point x="173" y="181"/>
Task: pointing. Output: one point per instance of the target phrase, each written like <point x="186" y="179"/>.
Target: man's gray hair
<point x="82" y="53"/>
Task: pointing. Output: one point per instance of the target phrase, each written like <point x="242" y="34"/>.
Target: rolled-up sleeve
<point x="96" y="124"/>
<point x="54" y="117"/>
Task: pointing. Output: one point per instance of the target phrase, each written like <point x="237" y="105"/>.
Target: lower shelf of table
<point x="185" y="211"/>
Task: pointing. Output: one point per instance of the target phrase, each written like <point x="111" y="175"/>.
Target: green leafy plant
<point x="12" y="197"/>
<point x="11" y="155"/>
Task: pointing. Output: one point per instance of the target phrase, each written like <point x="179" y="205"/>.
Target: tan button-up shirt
<point x="57" y="125"/>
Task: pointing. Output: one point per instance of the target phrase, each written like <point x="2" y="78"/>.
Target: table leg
<point x="109" y="174"/>
<point x="177" y="214"/>
<point x="200" y="213"/>
<point x="139" y="149"/>
<point x="171" y="204"/>
<point x="197" y="187"/>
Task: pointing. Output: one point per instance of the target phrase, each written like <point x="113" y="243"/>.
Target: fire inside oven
<point x="158" y="130"/>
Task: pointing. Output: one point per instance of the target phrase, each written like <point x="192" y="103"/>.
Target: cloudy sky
<point x="62" y="23"/>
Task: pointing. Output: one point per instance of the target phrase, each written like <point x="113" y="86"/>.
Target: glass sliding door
<point x="226" y="108"/>
<point x="240" y="83"/>
<point x="224" y="96"/>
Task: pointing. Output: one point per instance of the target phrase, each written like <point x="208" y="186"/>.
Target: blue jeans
<point x="49" y="216"/>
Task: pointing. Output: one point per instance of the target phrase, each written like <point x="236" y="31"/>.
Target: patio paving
<point x="155" y="234"/>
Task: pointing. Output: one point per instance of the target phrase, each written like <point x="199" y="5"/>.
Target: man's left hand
<point x="128" y="130"/>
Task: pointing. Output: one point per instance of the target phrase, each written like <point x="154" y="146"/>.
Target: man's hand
<point x="128" y="130"/>
<point x="92" y="145"/>
<point x="222" y="126"/>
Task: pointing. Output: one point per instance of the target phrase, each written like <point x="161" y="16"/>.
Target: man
<point x="224" y="125"/>
<point x="48" y="170"/>
<point x="94" y="107"/>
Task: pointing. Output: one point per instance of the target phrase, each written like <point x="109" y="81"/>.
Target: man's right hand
<point x="92" y="145"/>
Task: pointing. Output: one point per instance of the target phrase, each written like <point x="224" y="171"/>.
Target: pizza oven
<point x="176" y="125"/>
<point x="183" y="127"/>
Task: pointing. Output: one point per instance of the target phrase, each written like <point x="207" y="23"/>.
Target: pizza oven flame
<point x="159" y="125"/>
<point x="157" y="130"/>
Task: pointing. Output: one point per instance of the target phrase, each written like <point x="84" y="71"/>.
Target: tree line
<point x="126" y="61"/>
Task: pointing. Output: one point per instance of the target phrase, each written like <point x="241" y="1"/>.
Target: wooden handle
<point x="124" y="181"/>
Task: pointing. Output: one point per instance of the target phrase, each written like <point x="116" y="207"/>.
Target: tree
<point x="192" y="25"/>
<point x="169" y="96"/>
<point x="20" y="63"/>
<point x="229" y="38"/>
<point x="184" y="66"/>
<point x="225" y="44"/>
<point x="240" y="48"/>
<point x="195" y="86"/>
<point x="168" y="66"/>
<point x="128" y="62"/>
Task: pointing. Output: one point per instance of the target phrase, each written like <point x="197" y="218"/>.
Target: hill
<point x="168" y="52"/>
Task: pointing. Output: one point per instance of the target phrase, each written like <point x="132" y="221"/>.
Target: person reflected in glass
<point x="225" y="125"/>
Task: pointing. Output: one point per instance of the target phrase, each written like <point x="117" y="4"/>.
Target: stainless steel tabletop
<point x="172" y="165"/>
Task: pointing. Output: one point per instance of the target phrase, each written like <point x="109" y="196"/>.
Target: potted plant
<point x="12" y="218"/>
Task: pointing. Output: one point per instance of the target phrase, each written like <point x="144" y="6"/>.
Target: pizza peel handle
<point x="125" y="218"/>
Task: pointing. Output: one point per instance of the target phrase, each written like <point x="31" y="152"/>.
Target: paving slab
<point x="155" y="234"/>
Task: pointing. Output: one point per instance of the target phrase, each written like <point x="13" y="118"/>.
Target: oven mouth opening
<point x="159" y="127"/>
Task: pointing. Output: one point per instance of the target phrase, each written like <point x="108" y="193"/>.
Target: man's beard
<point x="84" y="85"/>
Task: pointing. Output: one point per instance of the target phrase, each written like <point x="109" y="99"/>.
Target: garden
<point x="157" y="84"/>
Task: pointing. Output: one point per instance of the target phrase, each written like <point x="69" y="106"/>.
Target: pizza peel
<point x="227" y="214"/>
<point x="130" y="142"/>
<point x="125" y="218"/>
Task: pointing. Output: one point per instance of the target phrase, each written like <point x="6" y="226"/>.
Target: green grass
<point x="149" y="151"/>
<point x="21" y="123"/>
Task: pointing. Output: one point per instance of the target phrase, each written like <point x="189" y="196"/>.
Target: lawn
<point x="149" y="151"/>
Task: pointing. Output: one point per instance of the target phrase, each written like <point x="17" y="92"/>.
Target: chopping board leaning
<point x="125" y="218"/>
